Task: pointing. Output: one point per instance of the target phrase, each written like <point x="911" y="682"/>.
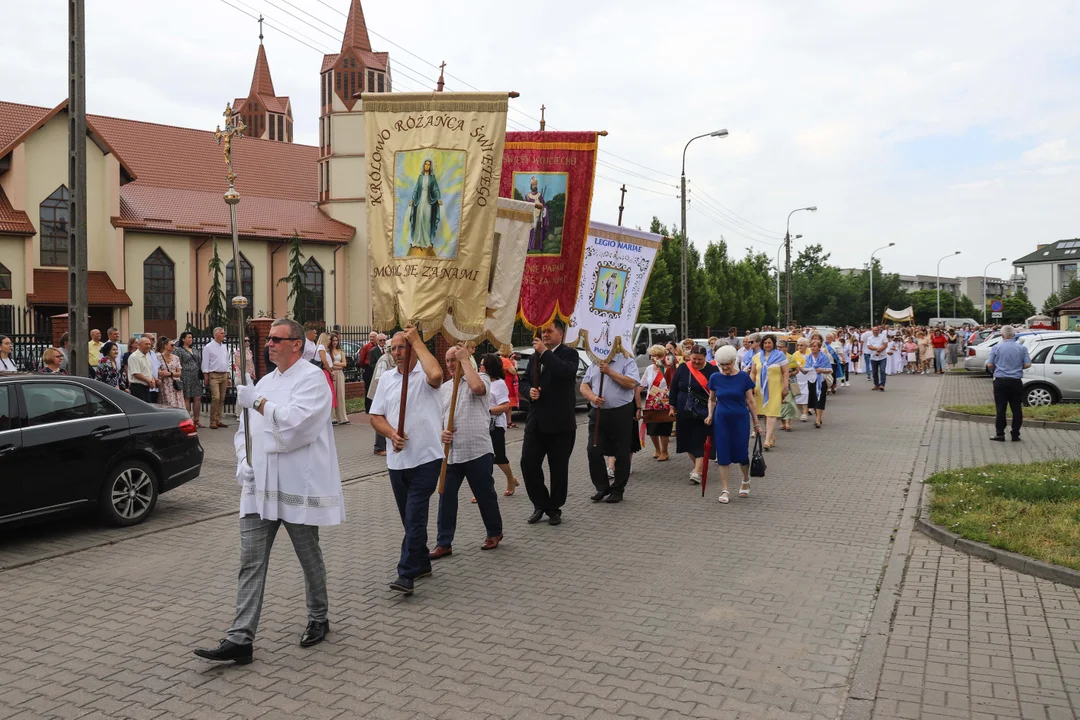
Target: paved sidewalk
<point x="668" y="605"/>
<point x="971" y="639"/>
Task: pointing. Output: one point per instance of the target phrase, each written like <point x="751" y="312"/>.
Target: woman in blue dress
<point x="731" y="406"/>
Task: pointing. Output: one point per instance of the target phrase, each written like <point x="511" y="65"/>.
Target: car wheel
<point x="129" y="494"/>
<point x="1039" y="396"/>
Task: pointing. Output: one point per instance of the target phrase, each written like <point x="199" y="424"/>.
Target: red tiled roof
<point x="12" y="221"/>
<point x="1073" y="304"/>
<point x="51" y="288"/>
<point x="167" y="160"/>
<point x="328" y="61"/>
<point x="203" y="212"/>
<point x="356" y="34"/>
<point x="261" y="82"/>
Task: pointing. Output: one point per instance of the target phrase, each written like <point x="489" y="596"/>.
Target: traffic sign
<point x="995" y="315"/>
<point x="997" y="306"/>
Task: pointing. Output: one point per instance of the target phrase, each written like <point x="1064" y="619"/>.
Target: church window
<point x="288" y="129"/>
<point x="159" y="287"/>
<point x="311" y="306"/>
<point x="53" y="228"/>
<point x="337" y="81"/>
<point x="5" y="282"/>
<point x="380" y="82"/>
<point x="280" y="127"/>
<point x="273" y="128"/>
<point x="247" y="285"/>
<point x="371" y="80"/>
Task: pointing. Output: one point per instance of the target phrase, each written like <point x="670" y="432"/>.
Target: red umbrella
<point x="705" y="462"/>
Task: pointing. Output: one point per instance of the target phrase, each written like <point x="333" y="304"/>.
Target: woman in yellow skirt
<point x="770" y="373"/>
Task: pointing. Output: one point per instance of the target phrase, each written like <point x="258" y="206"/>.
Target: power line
<point x="269" y="25"/>
<point x="634" y="174"/>
<point x="770" y="232"/>
<point x="636" y="187"/>
<point x="730" y="229"/>
<point x="738" y="224"/>
<point x="606" y="152"/>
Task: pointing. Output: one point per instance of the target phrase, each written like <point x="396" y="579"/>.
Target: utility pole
<point x="787" y="263"/>
<point x="685" y="323"/>
<point x="78" y="311"/>
<point x="622" y="202"/>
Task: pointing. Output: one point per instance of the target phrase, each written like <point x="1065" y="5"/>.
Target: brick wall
<point x="354" y="390"/>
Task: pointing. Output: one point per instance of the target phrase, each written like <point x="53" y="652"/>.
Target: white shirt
<point x="423" y="419"/>
<point x="293" y="453"/>
<point x="874" y="341"/>
<point x="7" y="365"/>
<point x="863" y="339"/>
<point x="472" y="420"/>
<point x="499" y="395"/>
<point x="155" y="364"/>
<point x="318" y="356"/>
<point x="215" y="357"/>
<point x="139" y="364"/>
<point x="309" y="350"/>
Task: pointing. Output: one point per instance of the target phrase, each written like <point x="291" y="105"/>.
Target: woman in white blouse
<point x="322" y="357"/>
<point x="6" y="348"/>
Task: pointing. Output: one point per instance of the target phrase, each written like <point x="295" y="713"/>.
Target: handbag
<point x="694" y="406"/>
<point x="757" y="460"/>
<point x="177" y="384"/>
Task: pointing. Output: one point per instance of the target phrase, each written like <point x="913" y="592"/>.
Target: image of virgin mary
<point x="424" y="213"/>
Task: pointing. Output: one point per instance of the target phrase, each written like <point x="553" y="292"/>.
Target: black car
<point x="69" y="445"/>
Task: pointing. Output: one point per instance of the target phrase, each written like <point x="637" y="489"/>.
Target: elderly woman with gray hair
<point x="731" y="405"/>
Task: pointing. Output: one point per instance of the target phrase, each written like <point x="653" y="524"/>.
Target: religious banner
<point x="509" y="245"/>
<point x="552" y="171"/>
<point x="614" y="272"/>
<point x="432" y="174"/>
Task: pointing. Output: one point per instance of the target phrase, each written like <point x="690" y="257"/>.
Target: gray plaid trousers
<point x="256" y="540"/>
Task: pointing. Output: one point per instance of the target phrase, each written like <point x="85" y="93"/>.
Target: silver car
<point x="1054" y="375"/>
<point x="977" y="356"/>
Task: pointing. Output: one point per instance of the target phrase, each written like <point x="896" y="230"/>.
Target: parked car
<point x="69" y="445"/>
<point x="1054" y="375"/>
<point x="646" y="335"/>
<point x="977" y="355"/>
<point x="525" y="382"/>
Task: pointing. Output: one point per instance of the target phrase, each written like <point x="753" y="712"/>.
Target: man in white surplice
<point x="293" y="479"/>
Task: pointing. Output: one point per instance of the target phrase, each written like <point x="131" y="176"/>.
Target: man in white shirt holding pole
<point x="292" y="479"/>
<point x="215" y="368"/>
<point x="876" y="344"/>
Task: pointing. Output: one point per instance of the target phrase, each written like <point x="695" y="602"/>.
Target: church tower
<point x="265" y="115"/>
<point x="342" y="195"/>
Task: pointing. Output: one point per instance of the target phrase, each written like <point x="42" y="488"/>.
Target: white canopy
<point x="905" y="315"/>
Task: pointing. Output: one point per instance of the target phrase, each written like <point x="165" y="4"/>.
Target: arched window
<point x="5" y="282"/>
<point x="312" y="303"/>
<point x="247" y="285"/>
<point x="53" y="229"/>
<point x="159" y="287"/>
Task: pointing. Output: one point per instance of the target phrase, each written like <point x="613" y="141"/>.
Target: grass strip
<point x="1031" y="509"/>
<point x="1053" y="413"/>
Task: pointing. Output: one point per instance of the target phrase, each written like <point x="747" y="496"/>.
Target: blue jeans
<point x="413" y="489"/>
<point x="478" y="473"/>
<point x="939" y="358"/>
<point x="878" y="367"/>
<point x="866" y="359"/>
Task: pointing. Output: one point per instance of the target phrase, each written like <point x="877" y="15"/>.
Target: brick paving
<point x="969" y="389"/>
<point x="668" y="605"/>
<point x="971" y="639"/>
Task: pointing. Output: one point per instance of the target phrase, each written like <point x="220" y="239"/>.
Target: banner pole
<point x="450" y="427"/>
<point x="404" y="391"/>
<point x="596" y="427"/>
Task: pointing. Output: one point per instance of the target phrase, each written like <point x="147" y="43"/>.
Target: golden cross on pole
<point x="234" y="126"/>
<point x="543" y="122"/>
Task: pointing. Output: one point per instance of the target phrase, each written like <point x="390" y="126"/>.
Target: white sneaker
<point x="695" y="478"/>
<point x="802" y="418"/>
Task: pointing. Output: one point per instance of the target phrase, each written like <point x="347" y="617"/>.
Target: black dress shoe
<point x="554" y="517"/>
<point x="600" y="495"/>
<point x="227" y="651"/>
<point x="316" y="632"/>
<point x="402" y="585"/>
<point x="997" y="438"/>
<point x="1016" y="438"/>
<point x="423" y="574"/>
<point x="614" y="498"/>
<point x="535" y="517"/>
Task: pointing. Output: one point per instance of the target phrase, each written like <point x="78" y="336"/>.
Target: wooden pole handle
<point x="404" y="391"/>
<point x="596" y="427"/>
<point x="450" y="427"/>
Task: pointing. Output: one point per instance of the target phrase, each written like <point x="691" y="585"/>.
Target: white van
<point x="646" y="335"/>
<point x="954" y="322"/>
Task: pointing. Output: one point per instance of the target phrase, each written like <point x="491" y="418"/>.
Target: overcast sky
<point x="937" y="126"/>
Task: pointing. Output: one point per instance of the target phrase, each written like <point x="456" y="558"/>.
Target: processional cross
<point x="234" y="127"/>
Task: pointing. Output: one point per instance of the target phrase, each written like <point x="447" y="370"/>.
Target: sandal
<point x="817" y="425"/>
<point x="724" y="499"/>
<point x="744" y="490"/>
<point x="510" y="491"/>
<point x="663" y="458"/>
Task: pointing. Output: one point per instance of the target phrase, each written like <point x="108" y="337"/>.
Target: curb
<point x="1046" y="424"/>
<point x="1004" y="558"/>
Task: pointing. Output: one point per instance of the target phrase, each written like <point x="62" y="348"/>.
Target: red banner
<point x="553" y="171"/>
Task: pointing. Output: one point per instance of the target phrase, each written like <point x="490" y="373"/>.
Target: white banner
<point x="615" y="270"/>
<point x="511" y="244"/>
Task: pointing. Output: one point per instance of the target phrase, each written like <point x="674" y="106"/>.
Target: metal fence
<point x="30" y="333"/>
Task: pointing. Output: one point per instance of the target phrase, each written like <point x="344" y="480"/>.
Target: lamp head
<point x="812" y="208"/>
<point x="956" y="253"/>
<point x="891" y="244"/>
<point x="719" y="133"/>
<point x="1003" y="259"/>
<point x="798" y="236"/>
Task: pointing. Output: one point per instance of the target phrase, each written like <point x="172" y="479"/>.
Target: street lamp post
<point x="939" y="280"/>
<point x="992" y="262"/>
<point x="787" y="262"/>
<point x="883" y="247"/>
<point x="685" y="315"/>
<point x="778" y="281"/>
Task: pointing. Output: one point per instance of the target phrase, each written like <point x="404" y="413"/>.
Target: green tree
<point x="295" y="278"/>
<point x="217" y="307"/>
<point x="1017" y="308"/>
<point x="1052" y="301"/>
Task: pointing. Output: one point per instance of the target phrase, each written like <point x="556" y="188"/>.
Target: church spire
<point x="356" y="34"/>
<point x="261" y="82"/>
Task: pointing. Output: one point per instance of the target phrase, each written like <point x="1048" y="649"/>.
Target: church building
<point x="155" y="212"/>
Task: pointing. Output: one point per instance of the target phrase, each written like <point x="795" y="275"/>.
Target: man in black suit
<point x="551" y="425"/>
